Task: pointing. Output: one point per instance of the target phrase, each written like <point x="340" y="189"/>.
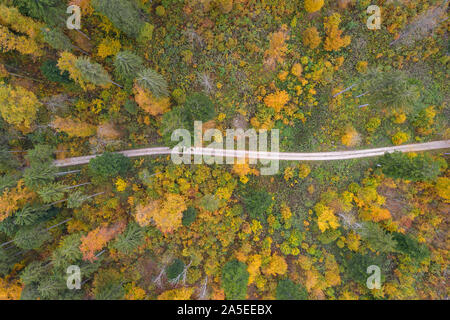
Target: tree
<point x="109" y="165"/>
<point x="18" y="106"/>
<point x="234" y="280"/>
<point x="421" y="167"/>
<point x="39" y="174"/>
<point x="57" y="39"/>
<point x="311" y="38"/>
<point x="391" y="89"/>
<point x="198" y="107"/>
<point x="189" y="216"/>
<point x="149" y="103"/>
<point x="288" y="290"/>
<point x="68" y="251"/>
<point x="175" y="269"/>
<point x="377" y="238"/>
<point x="31" y="237"/>
<point x="51" y="192"/>
<point x="154" y="82"/>
<point x="127" y="65"/>
<point x="123" y="14"/>
<point x="46" y="10"/>
<point x="172" y="120"/>
<point x="177" y="294"/>
<point x="18" y="32"/>
<point x="166" y="214"/>
<point x="73" y="128"/>
<point x="7" y="161"/>
<point x="97" y="239"/>
<point x="257" y="202"/>
<point x="334" y="41"/>
<point x="411" y="247"/>
<point x="92" y="72"/>
<point x="129" y="240"/>
<point x="39" y="154"/>
<point x="50" y="70"/>
<point x="313" y="5"/>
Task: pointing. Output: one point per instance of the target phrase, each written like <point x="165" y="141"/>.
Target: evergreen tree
<point x="127" y="65"/>
<point x="129" y="240"/>
<point x="92" y="72"/>
<point x="154" y="82"/>
<point x="57" y="39"/>
<point x="123" y="14"/>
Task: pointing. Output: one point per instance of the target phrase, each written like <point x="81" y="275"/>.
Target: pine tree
<point x="127" y="65"/>
<point x="154" y="82"/>
<point x="123" y="14"/>
<point x="92" y="72"/>
<point x="57" y="39"/>
<point x="128" y="241"/>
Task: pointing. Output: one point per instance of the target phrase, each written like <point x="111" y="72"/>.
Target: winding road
<point x="312" y="156"/>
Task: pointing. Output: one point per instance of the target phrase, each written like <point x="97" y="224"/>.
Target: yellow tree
<point x="149" y="103"/>
<point x="18" y="106"/>
<point x="313" y="5"/>
<point x="67" y="62"/>
<point x="166" y="214"/>
<point x="334" y="41"/>
<point x="18" y="32"/>
<point x="13" y="199"/>
<point x="98" y="238"/>
<point x="74" y="128"/>
<point x="177" y="294"/>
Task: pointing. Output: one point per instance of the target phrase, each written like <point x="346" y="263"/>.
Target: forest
<point x="144" y="228"/>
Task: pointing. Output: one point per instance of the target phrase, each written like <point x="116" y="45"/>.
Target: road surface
<point x="312" y="156"/>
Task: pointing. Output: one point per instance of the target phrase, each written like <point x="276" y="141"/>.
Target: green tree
<point x="198" y="107"/>
<point x="189" y="216"/>
<point x="378" y="239"/>
<point x="175" y="269"/>
<point x="39" y="174"/>
<point x="127" y="65"/>
<point x="50" y="11"/>
<point x="51" y="192"/>
<point x="109" y="165"/>
<point x="31" y="237"/>
<point x="123" y="14"/>
<point x="39" y="154"/>
<point x="57" y="39"/>
<point x="419" y="168"/>
<point x="92" y="72"/>
<point x="234" y="280"/>
<point x="257" y="202"/>
<point x="391" y="89"/>
<point x="288" y="290"/>
<point x="50" y="70"/>
<point x="151" y="80"/>
<point x="411" y="247"/>
<point x="129" y="240"/>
